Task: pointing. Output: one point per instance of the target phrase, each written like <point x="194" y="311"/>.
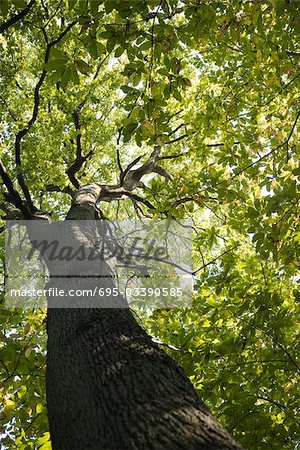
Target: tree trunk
<point x="110" y="387"/>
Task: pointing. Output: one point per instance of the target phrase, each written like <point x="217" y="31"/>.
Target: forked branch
<point x="13" y="193"/>
<point x="22" y="133"/>
<point x="80" y="158"/>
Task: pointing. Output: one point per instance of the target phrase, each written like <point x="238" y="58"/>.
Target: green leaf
<point x="110" y="6"/>
<point x="39" y="408"/>
<point x="4" y="7"/>
<point x="119" y="51"/>
<point x="71" y="4"/>
<point x="82" y="66"/>
<point x="110" y="44"/>
<point x="66" y="76"/>
<point x="73" y="76"/>
<point x="92" y="45"/>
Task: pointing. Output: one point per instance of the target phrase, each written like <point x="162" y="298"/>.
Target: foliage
<point x="216" y="85"/>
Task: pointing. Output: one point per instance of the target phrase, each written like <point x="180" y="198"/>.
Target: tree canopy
<point x="88" y="90"/>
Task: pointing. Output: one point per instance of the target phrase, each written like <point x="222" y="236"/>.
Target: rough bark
<point x="110" y="387"/>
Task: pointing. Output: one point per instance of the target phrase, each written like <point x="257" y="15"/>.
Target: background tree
<point x="89" y="87"/>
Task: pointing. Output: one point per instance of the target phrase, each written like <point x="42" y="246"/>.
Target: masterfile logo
<point x="147" y="263"/>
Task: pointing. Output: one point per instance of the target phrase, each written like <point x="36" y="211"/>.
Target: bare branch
<point x="273" y="339"/>
<point x="78" y="133"/>
<point x="177" y="128"/>
<point x="282" y="89"/>
<point x="152" y="16"/>
<point x="221" y="144"/>
<point x="99" y="66"/>
<point x="131" y="179"/>
<point x="8" y="108"/>
<point x="269" y="399"/>
<point x="139" y="210"/>
<point x="161" y="158"/>
<point x="63" y="33"/>
<point x="179" y="138"/>
<point x="75" y="167"/>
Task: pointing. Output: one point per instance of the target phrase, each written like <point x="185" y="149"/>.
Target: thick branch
<point x="120" y="165"/>
<point x="13" y="192"/>
<point x="132" y="178"/>
<point x="90" y="195"/>
<point x="17" y="17"/>
<point x="54" y="188"/>
<point x="132" y="164"/>
<point x="78" y="133"/>
<point x="80" y="158"/>
<point x="12" y="213"/>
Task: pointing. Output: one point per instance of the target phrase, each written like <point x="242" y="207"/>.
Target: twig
<point x="215" y="259"/>
<point x="271" y="151"/>
<point x="138" y="199"/>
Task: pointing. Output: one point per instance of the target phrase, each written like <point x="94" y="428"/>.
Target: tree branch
<point x="292" y="53"/>
<point x="120" y="165"/>
<point x="271" y="151"/>
<point x="282" y="89"/>
<point x="161" y="158"/>
<point x="182" y="200"/>
<point x="12" y="213"/>
<point x="132" y="164"/>
<point x="80" y="158"/>
<point x="17" y="17"/>
<point x="132" y="178"/>
<point x="269" y="399"/>
<point x="22" y="133"/>
<point x="138" y="199"/>
<point x="179" y="138"/>
<point x="15" y="196"/>
<point x="215" y="259"/>
<point x="54" y="188"/>
<point x="273" y="339"/>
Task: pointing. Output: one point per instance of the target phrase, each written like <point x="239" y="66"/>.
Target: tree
<point x="164" y="109"/>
